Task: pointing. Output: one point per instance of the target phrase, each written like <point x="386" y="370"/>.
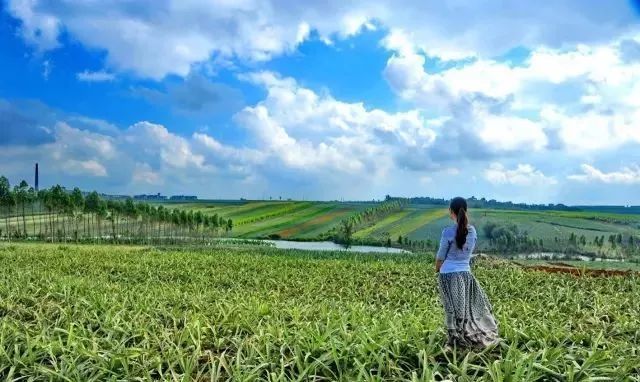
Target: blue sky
<point x="325" y="100"/>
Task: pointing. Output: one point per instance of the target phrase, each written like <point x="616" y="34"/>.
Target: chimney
<point x="36" y="177"/>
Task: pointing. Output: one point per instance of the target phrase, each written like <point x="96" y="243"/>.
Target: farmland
<point x="419" y="226"/>
<point x="82" y="312"/>
<point x="413" y="226"/>
<point x="418" y="222"/>
<point x="60" y="215"/>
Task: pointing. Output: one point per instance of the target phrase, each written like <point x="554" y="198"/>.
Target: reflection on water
<point x="330" y="246"/>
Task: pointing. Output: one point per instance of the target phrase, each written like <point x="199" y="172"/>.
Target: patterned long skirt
<point x="468" y="313"/>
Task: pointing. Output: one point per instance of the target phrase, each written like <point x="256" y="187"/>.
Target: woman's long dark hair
<point x="459" y="207"/>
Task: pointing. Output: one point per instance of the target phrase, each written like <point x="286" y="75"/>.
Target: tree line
<point x="343" y="234"/>
<point x="509" y="238"/>
<point x="474" y="202"/>
<point x="59" y="215"/>
<point x="615" y="244"/>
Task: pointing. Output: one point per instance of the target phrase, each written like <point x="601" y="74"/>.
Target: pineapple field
<point x="245" y="312"/>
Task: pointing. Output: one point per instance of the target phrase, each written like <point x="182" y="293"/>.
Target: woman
<point x="468" y="313"/>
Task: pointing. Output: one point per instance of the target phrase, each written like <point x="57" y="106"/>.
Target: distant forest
<point x="492" y="203"/>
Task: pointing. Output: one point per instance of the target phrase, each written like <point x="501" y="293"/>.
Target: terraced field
<point x="286" y="219"/>
<point x="317" y="224"/>
<point x="288" y="224"/>
<point x="307" y="220"/>
<point x="403" y="223"/>
<point x="546" y="225"/>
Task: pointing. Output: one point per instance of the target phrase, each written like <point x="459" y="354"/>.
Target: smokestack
<point x="36" y="177"/>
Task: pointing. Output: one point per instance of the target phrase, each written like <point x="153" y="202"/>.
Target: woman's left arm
<point x="442" y="251"/>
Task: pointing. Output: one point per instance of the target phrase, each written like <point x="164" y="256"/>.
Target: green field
<point x="95" y="313"/>
<point x="308" y="220"/>
<point x="422" y="224"/>
<point x="286" y="219"/>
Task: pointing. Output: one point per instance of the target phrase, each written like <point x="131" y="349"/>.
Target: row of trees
<point x="55" y="214"/>
<point x="616" y="243"/>
<point x="508" y="238"/>
<point x="344" y="232"/>
<point x="474" y="202"/>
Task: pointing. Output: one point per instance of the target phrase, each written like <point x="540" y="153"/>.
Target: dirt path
<point x="580" y="271"/>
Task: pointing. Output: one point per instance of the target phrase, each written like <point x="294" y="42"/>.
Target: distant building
<point x="183" y="197"/>
<point x="110" y="197"/>
<point x="157" y="196"/>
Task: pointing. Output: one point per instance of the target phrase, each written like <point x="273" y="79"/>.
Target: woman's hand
<point x="438" y="265"/>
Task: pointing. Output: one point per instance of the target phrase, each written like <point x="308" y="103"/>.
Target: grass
<point x="95" y="313"/>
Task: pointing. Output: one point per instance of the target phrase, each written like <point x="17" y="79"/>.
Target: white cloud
<point x="522" y="175"/>
<point x="144" y="174"/>
<point x="82" y="143"/>
<point x="38" y="28"/>
<point x="585" y="98"/>
<point x="98" y="76"/>
<point x="46" y="69"/>
<point x="626" y="175"/>
<point x="508" y="134"/>
<point x="197" y="31"/>
<point x="155" y="141"/>
<point x="315" y="132"/>
<point x="601" y="66"/>
<point x="594" y="130"/>
<point x="143" y="155"/>
<point x="89" y="168"/>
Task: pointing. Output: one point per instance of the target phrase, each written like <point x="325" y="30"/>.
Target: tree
<point x="583" y="240"/>
<point x="77" y="206"/>
<point x="114" y="210"/>
<point x="91" y="203"/>
<point x="101" y="214"/>
<point x="32" y="199"/>
<point x="21" y="193"/>
<point x="131" y="213"/>
<point x="346" y="233"/>
<point x="6" y="202"/>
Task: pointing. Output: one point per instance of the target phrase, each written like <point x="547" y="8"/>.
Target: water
<point x="330" y="246"/>
<point x="560" y="256"/>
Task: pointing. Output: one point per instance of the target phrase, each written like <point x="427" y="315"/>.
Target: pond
<point x="330" y="246"/>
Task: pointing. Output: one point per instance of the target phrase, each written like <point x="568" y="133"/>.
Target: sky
<point x="535" y="102"/>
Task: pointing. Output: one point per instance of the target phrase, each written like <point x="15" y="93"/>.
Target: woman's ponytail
<point x="459" y="207"/>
